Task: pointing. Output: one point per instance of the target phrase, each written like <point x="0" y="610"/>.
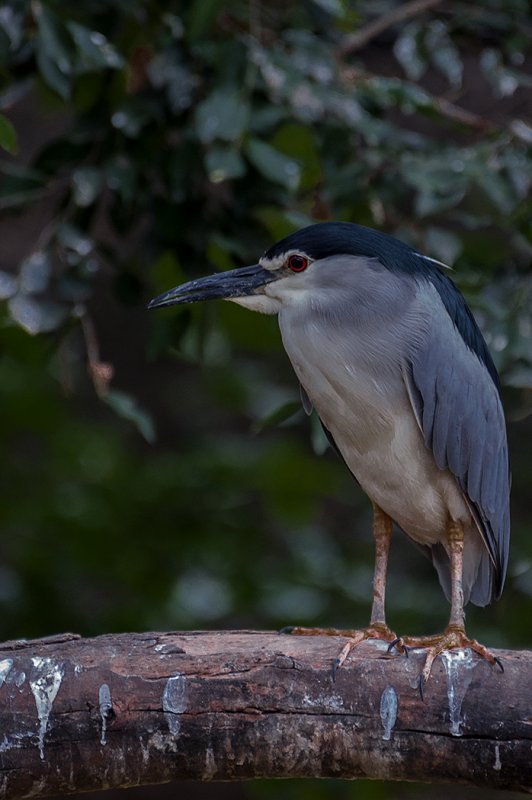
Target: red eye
<point x="298" y="263"/>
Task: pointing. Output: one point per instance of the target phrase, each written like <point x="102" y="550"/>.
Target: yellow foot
<point x="452" y="637"/>
<point x="354" y="637"/>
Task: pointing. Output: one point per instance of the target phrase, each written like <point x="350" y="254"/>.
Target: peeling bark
<point x="83" y="714"/>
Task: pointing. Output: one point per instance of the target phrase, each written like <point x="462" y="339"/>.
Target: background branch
<point x="403" y="12"/>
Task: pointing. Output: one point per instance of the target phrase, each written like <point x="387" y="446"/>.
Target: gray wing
<point x="458" y="408"/>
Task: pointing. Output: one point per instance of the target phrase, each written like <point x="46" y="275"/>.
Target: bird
<point x="389" y="355"/>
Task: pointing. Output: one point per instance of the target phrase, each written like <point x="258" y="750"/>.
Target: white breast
<point x="358" y="390"/>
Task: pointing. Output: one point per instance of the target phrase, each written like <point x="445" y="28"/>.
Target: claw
<point x="498" y="663"/>
<point x="427" y="668"/>
<point x="452" y="638"/>
<point x="354" y="637"/>
<point x="400" y="645"/>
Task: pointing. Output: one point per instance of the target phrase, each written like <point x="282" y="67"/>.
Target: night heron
<point x="388" y="353"/>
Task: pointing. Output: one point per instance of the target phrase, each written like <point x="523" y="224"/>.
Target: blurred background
<point x="157" y="471"/>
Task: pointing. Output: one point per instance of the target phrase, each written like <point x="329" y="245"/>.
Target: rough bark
<point x="81" y="714"/>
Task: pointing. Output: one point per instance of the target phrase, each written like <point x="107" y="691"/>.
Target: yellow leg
<point x="454" y="635"/>
<point x="377" y="629"/>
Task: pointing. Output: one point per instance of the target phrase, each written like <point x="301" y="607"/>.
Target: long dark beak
<point x="235" y="283"/>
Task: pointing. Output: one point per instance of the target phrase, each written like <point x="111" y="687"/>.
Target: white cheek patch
<point x="272" y="264"/>
<point x="289" y="291"/>
<point x="258" y="302"/>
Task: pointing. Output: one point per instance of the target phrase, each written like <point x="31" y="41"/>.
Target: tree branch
<point x="463" y="115"/>
<point x="130" y="709"/>
<point x="403" y="12"/>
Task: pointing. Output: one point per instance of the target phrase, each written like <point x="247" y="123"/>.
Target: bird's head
<point x="312" y="262"/>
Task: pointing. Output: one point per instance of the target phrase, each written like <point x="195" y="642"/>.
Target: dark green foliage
<point x="160" y="141"/>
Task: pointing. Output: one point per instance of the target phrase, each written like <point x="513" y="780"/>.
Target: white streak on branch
<point x="174" y="702"/>
<point x="459" y="665"/>
<point x="388" y="711"/>
<point x="106" y="709"/>
<point x="45" y="681"/>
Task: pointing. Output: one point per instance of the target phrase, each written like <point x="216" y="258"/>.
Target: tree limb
<point x="130" y="709"/>
<point x="403" y="12"/>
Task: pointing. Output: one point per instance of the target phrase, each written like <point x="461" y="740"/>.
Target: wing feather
<point x="458" y="407"/>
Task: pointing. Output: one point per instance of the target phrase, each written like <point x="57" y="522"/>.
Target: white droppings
<point x="174" y="702"/>
<point x="331" y="702"/>
<point x="5" y="666"/>
<point x="145" y="750"/>
<point x="497" y="764"/>
<point x="210" y="768"/>
<point x="459" y="665"/>
<point x="15" y="741"/>
<point x="44" y="683"/>
<point x="106" y="707"/>
<point x="161" y="742"/>
<point x="158" y="647"/>
<point x="388" y="711"/>
<point x="77" y="669"/>
<point x="37" y="788"/>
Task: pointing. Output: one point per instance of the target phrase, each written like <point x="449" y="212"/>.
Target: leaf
<point x="8" y="136"/>
<point x="165" y="71"/>
<point x="16" y="190"/>
<point x="443" y="244"/>
<point x="53" y="76"/>
<point x="519" y="376"/>
<point x="126" y="407"/>
<point x="121" y="177"/>
<point x="54" y="51"/>
<point x="35" y="272"/>
<point x="272" y="164"/>
<point x="36" y="315"/>
<point x="429" y="202"/>
<point x="499" y="190"/>
<point x="277" y="417"/>
<point x="522" y="130"/>
<point x="443" y="53"/>
<point x="299" y="142"/>
<point x="54" y="39"/>
<point x="395" y="93"/>
<point x="318" y="437"/>
<point x="279" y="222"/>
<point x="333" y="7"/>
<point x="131" y="117"/>
<point x="94" y="51"/>
<point x="200" y="16"/>
<point x="223" y="163"/>
<point x="74" y="239"/>
<point x="504" y="79"/>
<point x="407" y="52"/>
<point x="222" y="115"/>
<point x="166" y="271"/>
<point x="86" y="186"/>
<point x="8" y="285"/>
<point x="218" y="255"/>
